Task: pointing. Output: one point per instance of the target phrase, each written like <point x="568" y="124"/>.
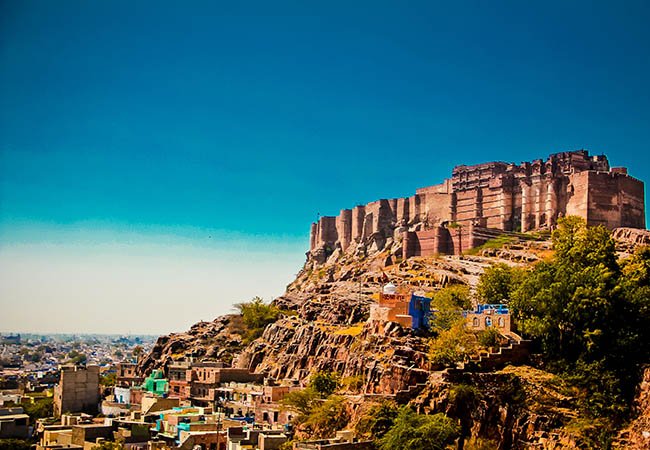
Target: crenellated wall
<point x="496" y="195"/>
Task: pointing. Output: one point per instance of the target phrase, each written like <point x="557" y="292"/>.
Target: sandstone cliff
<point x="327" y="329"/>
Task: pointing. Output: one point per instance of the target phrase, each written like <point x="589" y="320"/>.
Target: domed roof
<point x="390" y="289"/>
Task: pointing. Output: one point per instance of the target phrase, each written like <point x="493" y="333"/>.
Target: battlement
<point x="498" y="195"/>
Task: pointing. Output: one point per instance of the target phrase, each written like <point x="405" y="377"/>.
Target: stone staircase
<point x="516" y="352"/>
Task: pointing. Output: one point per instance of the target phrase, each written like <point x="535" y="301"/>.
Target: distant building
<point x="77" y="391"/>
<point x="180" y="379"/>
<point x="199" y="382"/>
<point x="127" y="375"/>
<point x="409" y="310"/>
<point x="156" y="383"/>
<point x="14" y="423"/>
<point x="10" y="339"/>
<point x="344" y="440"/>
<point x="489" y="316"/>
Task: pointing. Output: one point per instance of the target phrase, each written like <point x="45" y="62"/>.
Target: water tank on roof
<point x="390" y="289"/>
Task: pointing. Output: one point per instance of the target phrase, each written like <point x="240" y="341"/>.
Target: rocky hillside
<point x="325" y="327"/>
<point x="329" y="331"/>
<point x="214" y="340"/>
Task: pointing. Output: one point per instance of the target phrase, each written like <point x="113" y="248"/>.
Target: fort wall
<point x="496" y="195"/>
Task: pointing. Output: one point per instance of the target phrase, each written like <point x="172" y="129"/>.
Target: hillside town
<point x="201" y="404"/>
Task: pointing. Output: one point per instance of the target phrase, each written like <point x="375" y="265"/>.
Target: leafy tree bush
<point x="302" y="401"/>
<point x="353" y="383"/>
<point x="497" y="283"/>
<point x="452" y="346"/>
<point x="490" y="337"/>
<point x="447" y="305"/>
<point x="110" y="379"/>
<point x="456" y="294"/>
<point x="15" y="444"/>
<point x="40" y="409"/>
<point x="376" y="422"/>
<point x="256" y="316"/>
<point x="77" y="357"/>
<point x="328" y="417"/>
<point x="317" y="416"/>
<point x="413" y="431"/>
<point x="589" y="314"/>
<point x="325" y="383"/>
<point x="137" y="351"/>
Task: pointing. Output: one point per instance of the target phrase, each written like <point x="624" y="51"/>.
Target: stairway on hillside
<point x="515" y="352"/>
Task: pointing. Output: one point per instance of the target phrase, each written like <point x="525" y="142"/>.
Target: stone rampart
<point x="497" y="195"/>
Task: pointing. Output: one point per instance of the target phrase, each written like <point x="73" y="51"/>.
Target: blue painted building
<point x="419" y="310"/>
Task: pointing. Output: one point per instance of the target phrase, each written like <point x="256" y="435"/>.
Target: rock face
<point x="514" y="408"/>
<point x="454" y="216"/>
<point x="637" y="435"/>
<point x="627" y="239"/>
<point x="384" y="362"/>
<point x="217" y="339"/>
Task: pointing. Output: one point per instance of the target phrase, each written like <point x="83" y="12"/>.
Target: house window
<point x="488" y="321"/>
<point x="475" y="322"/>
<point x="501" y="322"/>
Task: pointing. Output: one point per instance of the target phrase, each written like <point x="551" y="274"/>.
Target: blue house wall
<point x="419" y="310"/>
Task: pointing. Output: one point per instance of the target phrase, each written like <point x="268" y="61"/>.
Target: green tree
<point x="452" y="346"/>
<point x="110" y="379"/>
<point x="569" y="303"/>
<point x="328" y="417"/>
<point x="497" y="283"/>
<point x="302" y="401"/>
<point x="40" y="409"/>
<point x="490" y="337"/>
<point x="256" y="315"/>
<point x="413" y="431"/>
<point x="447" y="306"/>
<point x="15" y="444"/>
<point x="137" y="351"/>
<point x="376" y="422"/>
<point x="325" y="383"/>
<point x="589" y="314"/>
<point x="76" y="357"/>
<point x="456" y="294"/>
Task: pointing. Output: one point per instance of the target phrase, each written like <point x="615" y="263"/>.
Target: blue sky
<point x="193" y="137"/>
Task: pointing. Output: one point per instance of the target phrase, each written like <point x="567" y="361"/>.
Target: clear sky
<point x="160" y="161"/>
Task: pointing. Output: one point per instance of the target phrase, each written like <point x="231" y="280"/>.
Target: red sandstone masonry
<point x="498" y="195"/>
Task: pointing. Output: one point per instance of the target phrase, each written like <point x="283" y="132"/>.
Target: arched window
<point x="488" y="321"/>
<point x="475" y="322"/>
<point x="501" y="322"/>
